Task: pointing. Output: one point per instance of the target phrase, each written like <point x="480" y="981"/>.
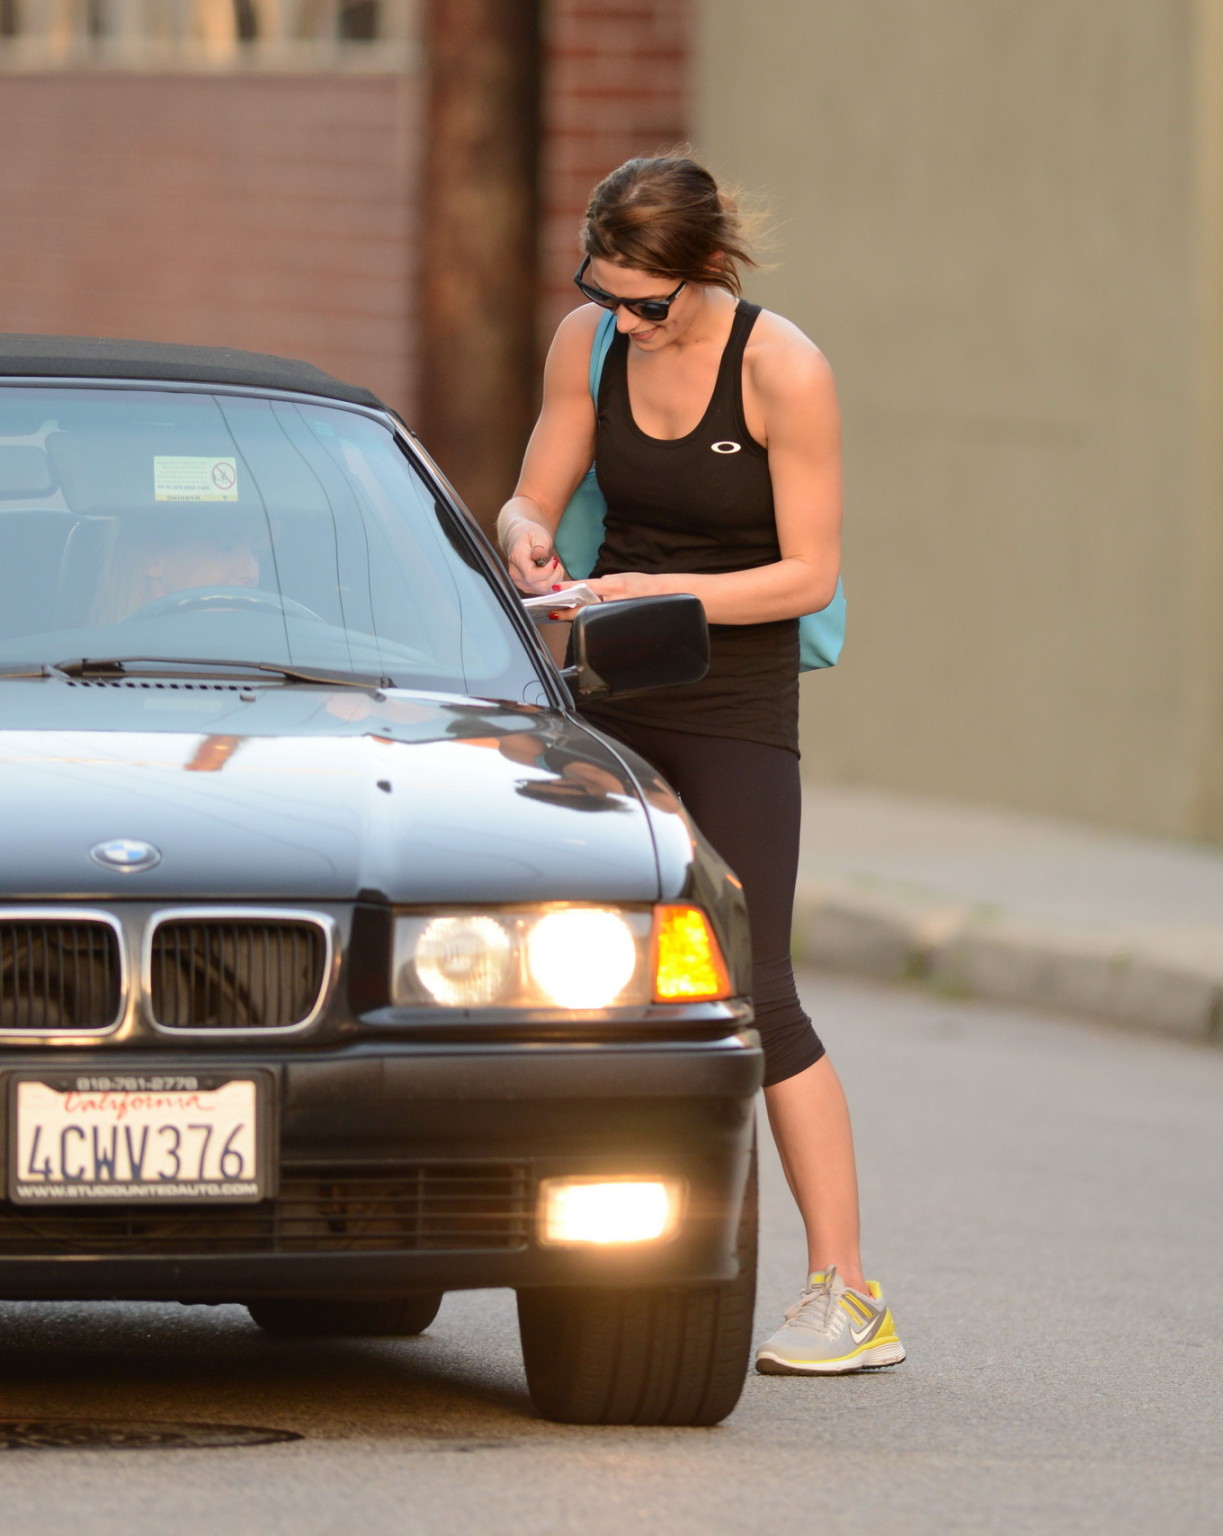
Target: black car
<point x="341" y="963"/>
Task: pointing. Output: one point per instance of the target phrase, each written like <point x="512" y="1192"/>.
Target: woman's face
<point x="633" y="283"/>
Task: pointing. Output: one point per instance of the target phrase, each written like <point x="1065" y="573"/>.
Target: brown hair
<point x="665" y="214"/>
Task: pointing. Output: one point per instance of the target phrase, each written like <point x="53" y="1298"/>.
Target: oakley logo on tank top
<point x="675" y="505"/>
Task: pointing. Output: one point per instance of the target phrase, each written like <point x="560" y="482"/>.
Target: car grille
<point x="58" y="975"/>
<point x="212" y="973"/>
<point x="428" y="1207"/>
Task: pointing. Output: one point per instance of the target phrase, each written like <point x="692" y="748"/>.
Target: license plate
<point x="198" y="1137"/>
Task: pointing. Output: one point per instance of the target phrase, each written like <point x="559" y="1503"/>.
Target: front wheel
<point x="329" y="1317"/>
<point x="661" y="1355"/>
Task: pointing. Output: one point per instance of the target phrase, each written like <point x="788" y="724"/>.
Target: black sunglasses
<point x="644" y="309"/>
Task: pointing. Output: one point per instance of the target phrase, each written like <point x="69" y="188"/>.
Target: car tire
<point x="321" y="1317"/>
<point x="664" y="1355"/>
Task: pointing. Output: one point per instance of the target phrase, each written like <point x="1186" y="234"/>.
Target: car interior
<point x="341" y="545"/>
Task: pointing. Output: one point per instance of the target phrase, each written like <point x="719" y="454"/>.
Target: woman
<point x="717" y="449"/>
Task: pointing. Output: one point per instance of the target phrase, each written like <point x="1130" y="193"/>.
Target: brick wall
<point x="270" y="212"/>
<point x="277" y="212"/>
<point x="617" y="85"/>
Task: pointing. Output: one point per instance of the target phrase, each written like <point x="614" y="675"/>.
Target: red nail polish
<point x="558" y="589"/>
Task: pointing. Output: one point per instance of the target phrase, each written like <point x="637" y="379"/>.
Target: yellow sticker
<point x="194" y="477"/>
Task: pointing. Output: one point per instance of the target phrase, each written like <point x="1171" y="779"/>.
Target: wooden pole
<point x="479" y="240"/>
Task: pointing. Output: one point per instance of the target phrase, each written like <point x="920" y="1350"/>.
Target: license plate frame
<point x="178" y="1085"/>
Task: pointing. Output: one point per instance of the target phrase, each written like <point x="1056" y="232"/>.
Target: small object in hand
<point x="575" y="596"/>
<point x="542" y="560"/>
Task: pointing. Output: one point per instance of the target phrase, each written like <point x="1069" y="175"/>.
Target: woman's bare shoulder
<point x="569" y="354"/>
<point x="781" y="357"/>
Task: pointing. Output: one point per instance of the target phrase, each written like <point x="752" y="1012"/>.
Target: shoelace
<point x="817" y="1310"/>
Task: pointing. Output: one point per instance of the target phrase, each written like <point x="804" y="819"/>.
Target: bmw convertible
<point x="341" y="963"/>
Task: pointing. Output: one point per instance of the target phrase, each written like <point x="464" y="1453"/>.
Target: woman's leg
<point x="810" y="1122"/>
<point x="747" y="799"/>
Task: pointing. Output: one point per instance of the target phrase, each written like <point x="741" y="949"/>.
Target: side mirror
<point x="636" y="644"/>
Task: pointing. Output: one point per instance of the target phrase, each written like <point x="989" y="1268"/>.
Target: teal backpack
<point x="579" y="538"/>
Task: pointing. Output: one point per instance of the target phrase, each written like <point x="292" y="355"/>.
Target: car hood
<point x="308" y="794"/>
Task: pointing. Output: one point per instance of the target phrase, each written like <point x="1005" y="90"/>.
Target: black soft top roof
<point x="104" y="357"/>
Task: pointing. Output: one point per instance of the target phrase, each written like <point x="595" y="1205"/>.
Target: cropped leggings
<point x="746" y="799"/>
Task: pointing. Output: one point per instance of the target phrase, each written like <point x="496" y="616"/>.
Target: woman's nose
<point x="625" y="321"/>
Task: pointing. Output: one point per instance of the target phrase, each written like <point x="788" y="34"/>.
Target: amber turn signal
<point x="688" y="964"/>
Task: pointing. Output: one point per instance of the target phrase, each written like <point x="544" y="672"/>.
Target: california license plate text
<point x="200" y="1144"/>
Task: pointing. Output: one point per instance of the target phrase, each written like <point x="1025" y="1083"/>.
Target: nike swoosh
<point x="860" y="1336"/>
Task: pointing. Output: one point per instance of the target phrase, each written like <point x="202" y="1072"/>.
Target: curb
<point x="897" y="934"/>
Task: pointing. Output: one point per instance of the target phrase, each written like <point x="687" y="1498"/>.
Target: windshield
<point x="176" y="525"/>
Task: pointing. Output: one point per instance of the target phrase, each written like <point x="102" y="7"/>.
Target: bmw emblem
<point x="125" y="853"/>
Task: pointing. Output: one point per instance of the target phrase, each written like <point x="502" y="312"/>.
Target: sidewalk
<point x="1015" y="907"/>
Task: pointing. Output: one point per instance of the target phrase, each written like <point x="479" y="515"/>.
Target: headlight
<point x="582" y="957"/>
<point x="568" y="956"/>
<point x="464" y="960"/>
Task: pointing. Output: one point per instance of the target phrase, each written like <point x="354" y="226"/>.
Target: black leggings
<point x="747" y="800"/>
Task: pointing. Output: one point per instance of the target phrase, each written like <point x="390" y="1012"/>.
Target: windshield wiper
<point x="157" y="666"/>
<point x="24" y="669"/>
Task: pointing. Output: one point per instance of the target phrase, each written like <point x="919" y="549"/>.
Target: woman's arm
<point x="558" y="454"/>
<point x="794" y="388"/>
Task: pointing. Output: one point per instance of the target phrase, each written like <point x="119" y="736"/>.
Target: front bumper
<point x="407" y="1166"/>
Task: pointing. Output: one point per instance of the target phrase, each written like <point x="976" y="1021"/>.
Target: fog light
<point x="607" y="1211"/>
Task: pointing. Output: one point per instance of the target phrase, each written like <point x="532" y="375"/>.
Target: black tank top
<point x="701" y="503"/>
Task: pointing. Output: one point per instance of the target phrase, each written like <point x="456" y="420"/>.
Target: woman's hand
<point x="611" y="589"/>
<point x="534" y="565"/>
<point x="628" y="584"/>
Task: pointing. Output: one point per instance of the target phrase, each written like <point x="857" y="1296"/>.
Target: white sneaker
<point x="831" y="1329"/>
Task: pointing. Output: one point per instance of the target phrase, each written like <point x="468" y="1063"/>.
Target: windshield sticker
<point x="194" y="477"/>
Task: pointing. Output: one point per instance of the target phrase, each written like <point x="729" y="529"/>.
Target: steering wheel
<point x="224" y="599"/>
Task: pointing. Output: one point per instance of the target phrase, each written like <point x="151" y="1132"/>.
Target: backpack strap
<point x="579" y="534"/>
<point x="605" y="332"/>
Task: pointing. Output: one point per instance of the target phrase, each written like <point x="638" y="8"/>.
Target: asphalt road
<point x="1043" y="1204"/>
